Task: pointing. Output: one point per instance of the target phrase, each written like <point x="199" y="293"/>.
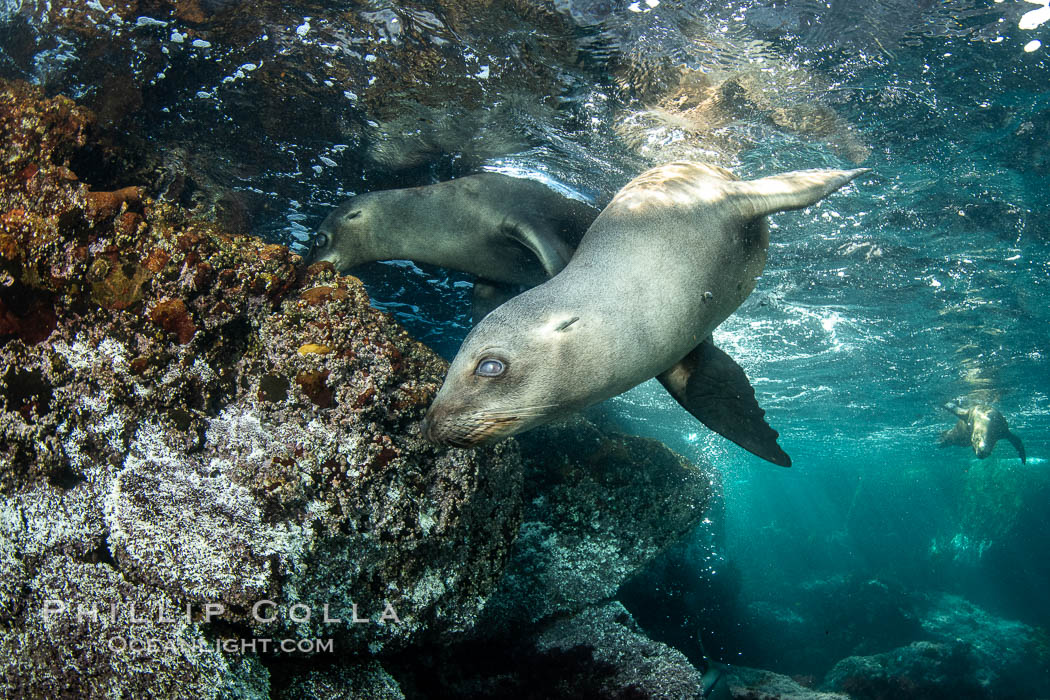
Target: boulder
<point x="598" y="507"/>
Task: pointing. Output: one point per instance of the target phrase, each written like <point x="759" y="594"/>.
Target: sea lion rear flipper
<point x="488" y="295"/>
<point x="794" y="190"/>
<point x="1016" y="442"/>
<point x="551" y="251"/>
<point x="712" y="387"/>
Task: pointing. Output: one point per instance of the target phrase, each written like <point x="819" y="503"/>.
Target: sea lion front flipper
<point x="551" y="251"/>
<point x="959" y="435"/>
<point x="488" y="295"/>
<point x="956" y="410"/>
<point x="712" y="387"/>
<point x="1016" y="442"/>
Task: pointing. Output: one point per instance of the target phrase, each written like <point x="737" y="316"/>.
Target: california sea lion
<point x="508" y="232"/>
<point x="980" y="427"/>
<point x="675" y="252"/>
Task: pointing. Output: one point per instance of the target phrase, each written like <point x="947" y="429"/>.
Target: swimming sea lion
<point x="675" y="252"/>
<point x="980" y="427"/>
<point x="508" y="232"/>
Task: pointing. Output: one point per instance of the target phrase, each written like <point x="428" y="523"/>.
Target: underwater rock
<point x="996" y="517"/>
<point x="66" y="643"/>
<point x="599" y="653"/>
<point x="919" y="671"/>
<point x="172" y="459"/>
<point x="630" y="660"/>
<point x="368" y="680"/>
<point x="689" y="595"/>
<point x="1009" y="658"/>
<point x="755" y="684"/>
<point x="596" y="513"/>
<point x="810" y="627"/>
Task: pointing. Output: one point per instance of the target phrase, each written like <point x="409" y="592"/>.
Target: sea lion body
<point x="503" y="230"/>
<point x="675" y="252"/>
<point x="980" y="427"/>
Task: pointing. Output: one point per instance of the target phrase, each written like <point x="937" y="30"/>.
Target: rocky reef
<point x="194" y="423"/>
<point x="595" y="513"/>
<point x="871" y="640"/>
<point x="214" y="484"/>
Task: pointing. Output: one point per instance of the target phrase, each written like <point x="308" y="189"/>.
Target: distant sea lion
<point x="508" y="232"/>
<point x="980" y="427"/>
<point x="675" y="252"/>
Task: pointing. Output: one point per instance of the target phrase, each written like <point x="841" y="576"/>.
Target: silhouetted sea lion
<point x="675" y="252"/>
<point x="980" y="427"/>
<point x="508" y="232"/>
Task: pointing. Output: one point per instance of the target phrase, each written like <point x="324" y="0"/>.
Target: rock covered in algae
<point x="618" y="649"/>
<point x="755" y="684"/>
<point x="367" y="680"/>
<point x="166" y="445"/>
<point x="596" y="511"/>
<point x="598" y="653"/>
<point x="926" y="670"/>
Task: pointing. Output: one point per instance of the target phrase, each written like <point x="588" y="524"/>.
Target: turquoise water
<point x="924" y="282"/>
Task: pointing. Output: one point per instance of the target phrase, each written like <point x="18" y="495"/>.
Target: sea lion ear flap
<point x="1016" y="442"/>
<point x="712" y="387"/>
<point x="794" y="190"/>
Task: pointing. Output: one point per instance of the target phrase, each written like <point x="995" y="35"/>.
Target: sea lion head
<point x="988" y="427"/>
<point x="346" y="237"/>
<point x="510" y="375"/>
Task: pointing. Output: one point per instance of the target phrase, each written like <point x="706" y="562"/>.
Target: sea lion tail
<point x="794" y="190"/>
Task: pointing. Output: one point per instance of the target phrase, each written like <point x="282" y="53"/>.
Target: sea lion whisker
<point x="522" y="410"/>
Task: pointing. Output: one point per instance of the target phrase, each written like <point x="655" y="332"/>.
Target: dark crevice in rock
<point x="26" y="313"/>
<point x="65" y="477"/>
<point x="102" y="554"/>
<point x="286" y="670"/>
<point x="227" y="344"/>
<point x="27" y="393"/>
<point x="507" y="670"/>
<point x="273" y="388"/>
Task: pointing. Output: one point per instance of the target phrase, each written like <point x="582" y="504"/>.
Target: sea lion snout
<point x="440" y="426"/>
<point x="982" y="448"/>
<point x="447" y="425"/>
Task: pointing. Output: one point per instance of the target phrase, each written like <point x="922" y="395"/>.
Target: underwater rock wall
<point x="595" y="513"/>
<point x="192" y="421"/>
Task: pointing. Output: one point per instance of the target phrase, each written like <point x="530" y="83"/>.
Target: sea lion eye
<point x="490" y="367"/>
<point x="321" y="240"/>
